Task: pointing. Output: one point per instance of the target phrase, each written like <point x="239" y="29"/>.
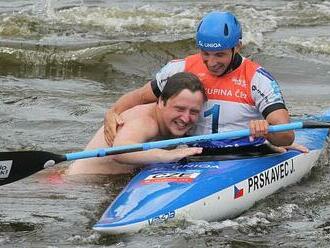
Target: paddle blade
<point x="18" y="165"/>
<point x="316" y="124"/>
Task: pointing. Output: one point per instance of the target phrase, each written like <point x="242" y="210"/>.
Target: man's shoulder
<point x="193" y="58"/>
<point x="254" y="70"/>
<point x="247" y="62"/>
<point x="138" y="111"/>
<point x="256" y="67"/>
<point x="184" y="60"/>
<point x="141" y="116"/>
<point x="171" y="68"/>
<point x="147" y="126"/>
<point x="174" y="65"/>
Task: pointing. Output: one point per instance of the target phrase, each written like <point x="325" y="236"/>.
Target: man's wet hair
<point x="180" y="81"/>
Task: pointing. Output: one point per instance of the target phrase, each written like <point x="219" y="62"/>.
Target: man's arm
<point x="157" y="156"/>
<point x="280" y="116"/>
<point x="269" y="100"/>
<point x="260" y="128"/>
<point x="136" y="97"/>
<point x="131" y="99"/>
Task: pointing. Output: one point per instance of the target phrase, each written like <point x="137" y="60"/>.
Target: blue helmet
<point x="218" y="31"/>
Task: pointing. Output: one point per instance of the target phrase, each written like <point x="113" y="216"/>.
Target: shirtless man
<point x="173" y="115"/>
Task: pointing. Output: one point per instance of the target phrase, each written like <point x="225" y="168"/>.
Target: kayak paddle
<point x="17" y="165"/>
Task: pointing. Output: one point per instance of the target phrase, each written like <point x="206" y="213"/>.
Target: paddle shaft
<point x="188" y="140"/>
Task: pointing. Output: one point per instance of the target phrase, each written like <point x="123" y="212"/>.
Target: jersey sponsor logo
<point x="277" y="91"/>
<point x="5" y="167"/>
<point x="270" y="176"/>
<point x="162" y="218"/>
<point x="178" y="177"/>
<point x="254" y="88"/>
<point x="239" y="82"/>
<point x="276" y="94"/>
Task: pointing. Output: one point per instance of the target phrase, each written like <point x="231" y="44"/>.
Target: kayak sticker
<point x="178" y="177"/>
<point x="238" y="192"/>
<point x="271" y="175"/>
<point x="195" y="166"/>
<point x="5" y="167"/>
<point x="162" y="218"/>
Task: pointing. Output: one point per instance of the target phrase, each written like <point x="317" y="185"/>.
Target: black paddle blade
<point x="316" y="124"/>
<point x="17" y="165"/>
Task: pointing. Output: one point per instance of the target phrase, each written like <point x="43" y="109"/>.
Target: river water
<point x="63" y="63"/>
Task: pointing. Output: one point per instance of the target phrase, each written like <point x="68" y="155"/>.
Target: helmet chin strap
<point x="230" y="66"/>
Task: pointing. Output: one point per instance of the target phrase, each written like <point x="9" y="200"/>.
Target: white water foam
<point x="43" y="9"/>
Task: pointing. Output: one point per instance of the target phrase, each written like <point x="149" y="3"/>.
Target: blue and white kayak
<point x="211" y="190"/>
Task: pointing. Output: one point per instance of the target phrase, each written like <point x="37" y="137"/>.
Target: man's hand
<point x="180" y="153"/>
<point x="111" y="122"/>
<point x="294" y="146"/>
<point x="297" y="147"/>
<point x="258" y="128"/>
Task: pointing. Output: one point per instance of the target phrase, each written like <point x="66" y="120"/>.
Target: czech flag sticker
<point x="238" y="192"/>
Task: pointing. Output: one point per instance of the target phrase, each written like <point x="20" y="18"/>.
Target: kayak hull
<point x="207" y="190"/>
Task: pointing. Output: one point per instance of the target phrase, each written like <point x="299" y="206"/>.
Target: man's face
<point x="217" y="62"/>
<point x="181" y="112"/>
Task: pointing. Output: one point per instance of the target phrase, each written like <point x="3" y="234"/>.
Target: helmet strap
<point x="235" y="62"/>
<point x="230" y="66"/>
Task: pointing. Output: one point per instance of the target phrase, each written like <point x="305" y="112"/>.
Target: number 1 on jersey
<point x="215" y="113"/>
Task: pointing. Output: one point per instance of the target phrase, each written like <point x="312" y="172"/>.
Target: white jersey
<point x="248" y="92"/>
